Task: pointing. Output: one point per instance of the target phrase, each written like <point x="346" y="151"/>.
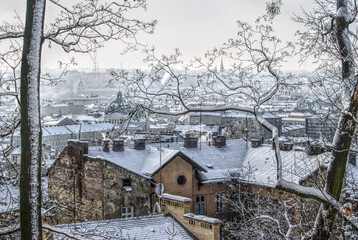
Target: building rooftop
<point x="147" y="227"/>
<point x="236" y="159"/>
<point x="142" y="162"/>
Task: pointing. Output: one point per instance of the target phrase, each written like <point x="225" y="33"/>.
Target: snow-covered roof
<point x="175" y="197"/>
<point x="203" y="128"/>
<point x="202" y="218"/>
<point x="146" y="227"/>
<point x="92" y="127"/>
<point x="256" y="165"/>
<point x="16" y="151"/>
<point x="223" y="160"/>
<point x="294" y="119"/>
<point x="218" y="114"/>
<point x="269" y="115"/>
<point x="70" y="129"/>
<point x="55" y="130"/>
<point x="259" y="165"/>
<point x="292" y="127"/>
<point x="142" y="162"/>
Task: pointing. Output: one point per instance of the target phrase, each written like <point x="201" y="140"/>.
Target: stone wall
<point x="116" y="197"/>
<point x="91" y="189"/>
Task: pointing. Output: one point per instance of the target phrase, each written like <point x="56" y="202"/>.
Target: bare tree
<point x="256" y="55"/>
<point x="80" y="27"/>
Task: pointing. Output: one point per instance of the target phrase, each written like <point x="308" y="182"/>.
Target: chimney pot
<point x="139" y="144"/>
<point x="106" y="146"/>
<point x="118" y="145"/>
<point x="255" y="143"/>
<point x="191" y="142"/>
<point x="219" y="141"/>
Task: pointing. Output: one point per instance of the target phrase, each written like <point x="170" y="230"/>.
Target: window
<point x="219" y="203"/>
<point x="14" y="159"/>
<point x="127" y="185"/>
<point x="200" y="205"/>
<point x="181" y="180"/>
<point x="126" y="182"/>
<point x="127" y="212"/>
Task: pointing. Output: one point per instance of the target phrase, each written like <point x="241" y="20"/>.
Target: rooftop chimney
<point x="118" y="145"/>
<point x="255" y="143"/>
<point x="105" y="145"/>
<point x="191" y="142"/>
<point x="76" y="144"/>
<point x="286" y="146"/>
<point x="219" y="141"/>
<point x="139" y="144"/>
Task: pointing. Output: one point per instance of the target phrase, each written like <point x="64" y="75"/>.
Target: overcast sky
<point x="193" y="26"/>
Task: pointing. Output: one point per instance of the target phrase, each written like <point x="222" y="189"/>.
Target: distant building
<point x="13" y="163"/>
<point x="62" y="109"/>
<point x="293" y="130"/>
<point x="118" y="106"/>
<point x="57" y="136"/>
<point x="244" y="125"/>
<point x="318" y="128"/>
<point x="206" y="118"/>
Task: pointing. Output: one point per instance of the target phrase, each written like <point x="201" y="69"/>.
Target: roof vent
<point x="255" y="143"/>
<point x="209" y="165"/>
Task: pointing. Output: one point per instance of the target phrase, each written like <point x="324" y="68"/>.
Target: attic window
<point x="126" y="182"/>
<point x="209" y="165"/>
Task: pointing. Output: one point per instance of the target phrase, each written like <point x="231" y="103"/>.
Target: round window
<point x="181" y="180"/>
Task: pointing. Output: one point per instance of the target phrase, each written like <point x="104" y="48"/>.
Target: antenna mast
<point x="95" y="63"/>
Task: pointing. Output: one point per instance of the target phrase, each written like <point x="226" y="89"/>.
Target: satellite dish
<point x="159" y="189"/>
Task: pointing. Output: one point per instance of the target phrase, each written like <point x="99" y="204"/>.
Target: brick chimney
<point x="105" y="145"/>
<point x="190" y="142"/>
<point x="118" y="145"/>
<point x="286" y="146"/>
<point x="81" y="145"/>
<point x="219" y="141"/>
<point x="352" y="159"/>
<point x="255" y="143"/>
<point x="139" y="144"/>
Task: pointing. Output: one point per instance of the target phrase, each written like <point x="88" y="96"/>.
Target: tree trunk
<point x="346" y="125"/>
<point x="30" y="180"/>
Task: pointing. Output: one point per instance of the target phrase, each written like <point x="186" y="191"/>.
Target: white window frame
<point x="219" y="203"/>
<point x="128" y="212"/>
